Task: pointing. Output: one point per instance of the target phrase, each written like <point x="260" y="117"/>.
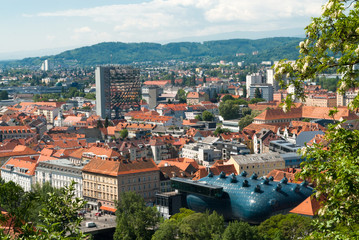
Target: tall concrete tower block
<point x="117" y="90"/>
<point x="45" y="65"/>
<point x="271" y="80"/>
<point x="254" y="78"/>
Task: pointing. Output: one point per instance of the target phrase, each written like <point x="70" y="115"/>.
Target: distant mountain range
<point x="126" y="53"/>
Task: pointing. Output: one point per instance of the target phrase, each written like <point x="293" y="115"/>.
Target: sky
<point x="28" y="26"/>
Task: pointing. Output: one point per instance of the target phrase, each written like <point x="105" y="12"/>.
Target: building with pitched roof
<point x="104" y="180"/>
<point x="196" y="97"/>
<point x="59" y="173"/>
<point x="260" y="164"/>
<point x="20" y="170"/>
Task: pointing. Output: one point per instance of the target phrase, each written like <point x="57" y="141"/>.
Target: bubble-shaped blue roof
<point x="243" y="197"/>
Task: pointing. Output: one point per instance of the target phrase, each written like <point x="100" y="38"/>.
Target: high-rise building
<point x="45" y="65"/>
<point x="254" y="78"/>
<point x="117" y="90"/>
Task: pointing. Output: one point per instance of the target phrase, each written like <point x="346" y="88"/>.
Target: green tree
<point x="229" y="110"/>
<point x="199" y="117"/>
<point x="257" y="93"/>
<point x="245" y="121"/>
<point x="227" y="97"/>
<point x="246" y="111"/>
<point x="124" y="133"/>
<point x="207" y="116"/>
<point x="4" y="95"/>
<point x="190" y="225"/>
<point x="99" y="124"/>
<point x="16" y="203"/>
<point x="256" y="100"/>
<point x="106" y="122"/>
<point x="331" y="44"/>
<point x="288" y="227"/>
<point x="41" y="198"/>
<point x="220" y="130"/>
<point x="182" y="96"/>
<point x="241" y="231"/>
<point x="60" y="216"/>
<point x="90" y="96"/>
<point x="134" y="219"/>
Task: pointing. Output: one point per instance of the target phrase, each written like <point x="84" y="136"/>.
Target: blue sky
<point x="30" y="25"/>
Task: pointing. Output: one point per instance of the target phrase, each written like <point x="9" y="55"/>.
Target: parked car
<point x="90" y="224"/>
<point x="98" y="214"/>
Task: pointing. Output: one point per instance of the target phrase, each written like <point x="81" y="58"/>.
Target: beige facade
<point x="100" y="189"/>
<point x="145" y="184"/>
<point x="49" y="112"/>
<point x="261" y="164"/>
<point x="325" y="101"/>
<point x="105" y="180"/>
<point x="346" y="98"/>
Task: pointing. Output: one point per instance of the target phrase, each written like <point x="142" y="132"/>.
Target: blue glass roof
<point x="246" y="198"/>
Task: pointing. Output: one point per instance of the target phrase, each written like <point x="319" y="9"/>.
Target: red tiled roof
<point x="115" y="168"/>
<point x="28" y="164"/>
<point x="158" y="83"/>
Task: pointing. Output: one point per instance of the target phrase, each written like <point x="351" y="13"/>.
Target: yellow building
<point x="104" y="180"/>
<point x="261" y="164"/>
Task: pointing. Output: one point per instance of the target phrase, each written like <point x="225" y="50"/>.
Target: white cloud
<point x="159" y="20"/>
<point x="82" y="30"/>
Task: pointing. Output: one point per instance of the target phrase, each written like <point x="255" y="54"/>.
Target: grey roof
<point x="257" y="158"/>
<point x="62" y="163"/>
<point x="306" y="136"/>
<point x="210" y="140"/>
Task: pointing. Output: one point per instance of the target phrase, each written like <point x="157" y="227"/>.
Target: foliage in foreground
<point x="59" y="217"/>
<point x="134" y="219"/>
<point x="332" y="44"/>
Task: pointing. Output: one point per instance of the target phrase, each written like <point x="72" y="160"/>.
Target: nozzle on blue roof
<point x="244" y="174"/>
<point x="245" y="183"/>
<point x="254" y="176"/>
<point x="304" y="184"/>
<point x="257" y="188"/>
<point x="284" y="180"/>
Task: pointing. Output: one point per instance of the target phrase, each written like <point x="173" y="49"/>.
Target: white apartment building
<point x="254" y="78"/>
<point x="21" y="171"/>
<point x="60" y="173"/>
<point x="202" y="153"/>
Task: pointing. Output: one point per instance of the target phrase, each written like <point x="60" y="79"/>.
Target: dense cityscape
<point x="182" y="141"/>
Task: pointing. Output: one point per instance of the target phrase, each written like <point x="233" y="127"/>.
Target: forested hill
<point x="126" y="53"/>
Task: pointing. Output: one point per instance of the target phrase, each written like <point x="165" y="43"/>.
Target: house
<point x="49" y="112"/>
<point x="204" y="154"/>
<point x="194" y="98"/>
<point x="278" y="116"/>
<point x="16" y="132"/>
<point x="260" y="164"/>
<point x="59" y="173"/>
<point x="104" y="180"/>
<point x="20" y="170"/>
<point x="15" y="152"/>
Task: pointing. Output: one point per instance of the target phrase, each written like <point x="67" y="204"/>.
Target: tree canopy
<point x="229" y="110"/>
<point x="134" y="219"/>
<point x="190" y="225"/>
<point x="332" y="43"/>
